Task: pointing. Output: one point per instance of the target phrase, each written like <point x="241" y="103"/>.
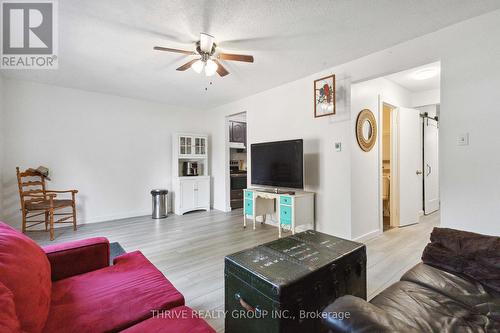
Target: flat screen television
<point x="278" y="164"/>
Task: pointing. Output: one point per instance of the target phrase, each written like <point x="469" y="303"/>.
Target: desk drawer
<point x="285" y="214"/>
<point x="285" y="200"/>
<point x="286" y="222"/>
<point x="249" y="195"/>
<point x="248" y="207"/>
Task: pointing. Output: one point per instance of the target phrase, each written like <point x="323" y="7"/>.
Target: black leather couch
<point x="428" y="298"/>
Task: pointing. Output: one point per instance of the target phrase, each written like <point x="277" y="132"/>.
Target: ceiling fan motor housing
<point x="208" y="54"/>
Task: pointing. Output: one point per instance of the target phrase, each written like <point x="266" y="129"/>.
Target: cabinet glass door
<point x="200" y="146"/>
<point x="185" y="145"/>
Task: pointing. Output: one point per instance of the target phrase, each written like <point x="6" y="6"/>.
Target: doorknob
<point x="429" y="170"/>
<point x="419" y="172"/>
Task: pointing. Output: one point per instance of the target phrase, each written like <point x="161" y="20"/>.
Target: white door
<point x="203" y="193"/>
<point x="431" y="166"/>
<point x="187" y="194"/>
<point x="410" y="166"/>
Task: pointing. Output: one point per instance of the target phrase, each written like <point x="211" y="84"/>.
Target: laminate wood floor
<point x="190" y="250"/>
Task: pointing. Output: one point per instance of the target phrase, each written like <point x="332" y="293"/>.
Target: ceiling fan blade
<point x="206" y="42"/>
<point x="220" y="69"/>
<point x="160" y="48"/>
<point x="187" y="65"/>
<point x="235" y="57"/>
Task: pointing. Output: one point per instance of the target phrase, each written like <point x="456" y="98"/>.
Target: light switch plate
<point x="463" y="139"/>
<point x="338" y="146"/>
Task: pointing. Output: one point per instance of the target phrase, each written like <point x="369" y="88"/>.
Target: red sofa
<point x="71" y="288"/>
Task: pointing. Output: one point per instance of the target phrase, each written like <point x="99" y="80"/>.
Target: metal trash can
<point x="159" y="204"/>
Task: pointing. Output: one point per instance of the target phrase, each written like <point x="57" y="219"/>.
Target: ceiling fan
<point x="209" y="57"/>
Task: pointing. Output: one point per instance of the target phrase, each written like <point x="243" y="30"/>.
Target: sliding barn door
<point x="431" y="166"/>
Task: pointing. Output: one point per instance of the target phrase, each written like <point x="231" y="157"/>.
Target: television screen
<point x="278" y="164"/>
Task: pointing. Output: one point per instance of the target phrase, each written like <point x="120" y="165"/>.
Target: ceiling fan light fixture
<point x="207" y="57"/>
<point x="197" y="66"/>
<point x="211" y="67"/>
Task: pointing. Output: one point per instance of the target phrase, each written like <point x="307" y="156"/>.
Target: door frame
<point x="394" y="173"/>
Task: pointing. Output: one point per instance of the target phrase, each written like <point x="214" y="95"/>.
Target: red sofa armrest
<point x="78" y="257"/>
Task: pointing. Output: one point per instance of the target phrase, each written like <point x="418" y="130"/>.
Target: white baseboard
<point x="89" y="220"/>
<point x="104" y="218"/>
<point x="366" y="237"/>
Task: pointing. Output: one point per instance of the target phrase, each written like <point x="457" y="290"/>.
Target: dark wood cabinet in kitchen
<point x="237" y="132"/>
<point x="236" y="199"/>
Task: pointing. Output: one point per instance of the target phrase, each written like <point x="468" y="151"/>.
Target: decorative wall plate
<point x="366" y="130"/>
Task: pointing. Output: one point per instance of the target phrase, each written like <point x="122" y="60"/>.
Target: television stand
<point x="294" y="211"/>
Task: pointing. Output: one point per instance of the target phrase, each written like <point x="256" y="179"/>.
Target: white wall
<point x="470" y="78"/>
<point x="470" y="182"/>
<point x="114" y="150"/>
<point x="365" y="166"/>
<point x="274" y="115"/>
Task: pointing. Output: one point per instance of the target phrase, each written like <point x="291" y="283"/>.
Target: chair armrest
<point x="353" y="314"/>
<point x="64" y="191"/>
<point x="78" y="257"/>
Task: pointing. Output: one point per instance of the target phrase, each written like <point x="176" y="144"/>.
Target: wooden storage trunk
<point x="283" y="285"/>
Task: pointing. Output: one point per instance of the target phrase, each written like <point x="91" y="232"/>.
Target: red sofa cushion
<point x="25" y="271"/>
<point x="112" y="298"/>
<point x="8" y="318"/>
<point x="178" y="320"/>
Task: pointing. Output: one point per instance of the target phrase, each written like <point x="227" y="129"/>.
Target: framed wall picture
<point x="324" y="96"/>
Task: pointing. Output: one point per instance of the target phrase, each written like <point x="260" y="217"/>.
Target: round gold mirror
<point x="366" y="130"/>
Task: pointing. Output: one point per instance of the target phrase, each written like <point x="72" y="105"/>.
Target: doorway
<point x="388" y="184"/>
<point x="388" y="202"/>
<point x="236" y="159"/>
<point x="409" y="162"/>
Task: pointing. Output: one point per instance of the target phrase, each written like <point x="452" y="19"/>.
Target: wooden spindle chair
<point x="37" y="201"/>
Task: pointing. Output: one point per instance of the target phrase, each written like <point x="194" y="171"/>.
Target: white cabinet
<point x="190" y="192"/>
<point x="187" y="193"/>
<point x="193" y="194"/>
<point x="202" y="193"/>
